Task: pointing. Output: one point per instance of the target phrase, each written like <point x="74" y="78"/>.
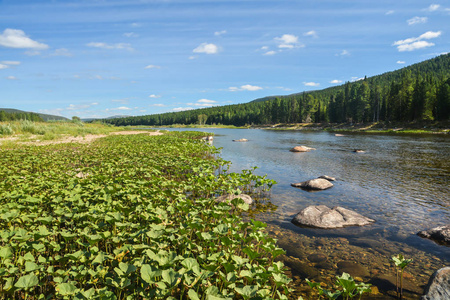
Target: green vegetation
<point x="131" y="217"/>
<point x="9" y="114"/>
<point x="420" y="92"/>
<point x="348" y="288"/>
<point x="400" y="263"/>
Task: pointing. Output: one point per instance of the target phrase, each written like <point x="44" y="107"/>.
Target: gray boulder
<point x="301" y="149"/>
<point x="329" y="178"/>
<point x="439" y="234"/>
<point x="314" y="184"/>
<point x="322" y="216"/>
<point x="227" y="198"/>
<point x="241" y="140"/>
<point x="438" y="287"/>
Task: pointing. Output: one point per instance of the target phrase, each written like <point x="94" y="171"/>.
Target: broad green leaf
<point x="66" y="289"/>
<point x="193" y="295"/>
<point x="6" y="252"/>
<point x="27" y="281"/>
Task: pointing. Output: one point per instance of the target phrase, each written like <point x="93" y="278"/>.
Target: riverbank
<point x="377" y="127"/>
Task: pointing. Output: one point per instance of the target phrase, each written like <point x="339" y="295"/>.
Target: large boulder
<point x="240" y="140"/>
<point x="438" y="287"/>
<point x="227" y="198"/>
<point x="314" y="184"/>
<point x="322" y="216"/>
<point x="439" y="234"/>
<point x="329" y="178"/>
<point x="301" y="149"/>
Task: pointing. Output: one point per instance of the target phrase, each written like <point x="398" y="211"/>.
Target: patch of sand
<point x="88" y="138"/>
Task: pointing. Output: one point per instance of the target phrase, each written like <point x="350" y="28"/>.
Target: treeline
<point x="13" y="116"/>
<point x="415" y="93"/>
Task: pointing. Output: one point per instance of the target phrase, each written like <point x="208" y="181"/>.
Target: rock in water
<point x="241" y="140"/>
<point x="438" y="287"/>
<point x="322" y="216"/>
<point x="227" y="198"/>
<point x="439" y="234"/>
<point x="301" y="149"/>
<point x="329" y="178"/>
<point x="314" y="184"/>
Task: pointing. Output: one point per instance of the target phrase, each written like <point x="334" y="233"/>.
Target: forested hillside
<point x="12" y="115"/>
<point x="414" y="93"/>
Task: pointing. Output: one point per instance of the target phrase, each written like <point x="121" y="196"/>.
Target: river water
<point x="401" y="181"/>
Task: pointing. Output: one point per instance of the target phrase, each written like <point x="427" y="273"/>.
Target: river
<point x="401" y="181"/>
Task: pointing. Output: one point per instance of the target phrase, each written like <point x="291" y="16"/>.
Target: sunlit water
<point x="401" y="181"/>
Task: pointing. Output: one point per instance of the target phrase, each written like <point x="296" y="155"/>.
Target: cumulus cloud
<point x="154" y="96"/>
<point x="415" y="43"/>
<point x="182" y="108"/>
<point x="219" y="33"/>
<point x="158" y="105"/>
<point x="288" y="41"/>
<point x="270" y="52"/>
<point x="343" y="53"/>
<point x="311" y="83"/>
<point x="121" y="108"/>
<point x="16" y="38"/>
<point x="417" y="20"/>
<point x="10" y="62"/>
<point x="354" y="78"/>
<point x="336" y="81"/>
<point x="400" y="62"/>
<point x="124" y="46"/>
<point x="3" y="66"/>
<point x="152" y="67"/>
<point x="246" y="87"/>
<point x="433" y="7"/>
<point x="203" y="103"/>
<point x="311" y="33"/>
<point x="11" y="78"/>
<point x="206" y="48"/>
<point x="389" y="12"/>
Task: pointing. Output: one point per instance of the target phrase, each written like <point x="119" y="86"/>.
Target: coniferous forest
<point x="420" y="92"/>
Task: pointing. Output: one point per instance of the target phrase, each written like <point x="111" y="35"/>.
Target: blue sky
<point x="91" y="58"/>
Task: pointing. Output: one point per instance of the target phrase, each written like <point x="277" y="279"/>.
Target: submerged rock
<point x="439" y="234"/>
<point x="338" y="134"/>
<point x="352" y="268"/>
<point x="322" y="216"/>
<point x="358" y="151"/>
<point x="241" y="140"/>
<point x="301" y="149"/>
<point x="438" y="287"/>
<point x="329" y="178"/>
<point x="227" y="198"/>
<point x="314" y="184"/>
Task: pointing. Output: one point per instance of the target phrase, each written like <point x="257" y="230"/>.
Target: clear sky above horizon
<point x="98" y="58"/>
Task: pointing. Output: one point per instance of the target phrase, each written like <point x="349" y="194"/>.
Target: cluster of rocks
<point x="240" y="140"/>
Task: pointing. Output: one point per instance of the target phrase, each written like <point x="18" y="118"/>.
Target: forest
<point x="420" y="92"/>
<point x="13" y="116"/>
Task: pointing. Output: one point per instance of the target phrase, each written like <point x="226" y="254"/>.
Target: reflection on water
<point x="401" y="181"/>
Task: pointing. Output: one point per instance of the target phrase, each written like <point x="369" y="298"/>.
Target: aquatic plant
<point x="349" y="288"/>
<point x="400" y="263"/>
<point x="131" y="217"/>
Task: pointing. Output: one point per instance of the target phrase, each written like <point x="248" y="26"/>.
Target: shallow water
<point x="401" y="181"/>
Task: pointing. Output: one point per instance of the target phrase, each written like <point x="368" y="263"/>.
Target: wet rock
<point x="358" y="151"/>
<point x="387" y="283"/>
<point x="291" y="249"/>
<point x="227" y="198"/>
<point x="240" y="140"/>
<point x="438" y="287"/>
<point x="321" y="216"/>
<point x="439" y="234"/>
<point x="338" y="134"/>
<point x="314" y="184"/>
<point x="324" y="265"/>
<point x="301" y="149"/>
<point x="301" y="269"/>
<point x="352" y="268"/>
<point x="317" y="257"/>
<point x="329" y="178"/>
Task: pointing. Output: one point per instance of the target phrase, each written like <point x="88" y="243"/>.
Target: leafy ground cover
<point x="131" y="217"/>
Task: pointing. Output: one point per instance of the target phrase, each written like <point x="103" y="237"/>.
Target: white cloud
<point x="10" y="62"/>
<point x="154" y="96"/>
<point x="288" y="41"/>
<point x="16" y="38"/>
<point x="417" y="20"/>
<point x="206" y="101"/>
<point x="264" y="48"/>
<point x="433" y="7"/>
<point x="246" y="87"/>
<point x="32" y="52"/>
<point x="219" y="33"/>
<point x="182" y="108"/>
<point x="192" y="57"/>
<point x="354" y="78"/>
<point x="11" y="78"/>
<point x="389" y="12"/>
<point x="2" y="66"/>
<point x="207" y="49"/>
<point x="270" y="52"/>
<point x="121" y="108"/>
<point x="158" y="105"/>
<point x="311" y="83"/>
<point x="415" y="43"/>
<point x="203" y="103"/>
<point x="400" y="62"/>
<point x="152" y="67"/>
<point x="110" y="46"/>
<point x="311" y="33"/>
<point x="343" y="53"/>
<point x="61" y="52"/>
<point x="336" y="81"/>
<point x="130" y="34"/>
<point x="135" y="25"/>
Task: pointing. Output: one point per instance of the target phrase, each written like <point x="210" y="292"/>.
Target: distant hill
<point x="45" y="117"/>
<point x="112" y="117"/>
